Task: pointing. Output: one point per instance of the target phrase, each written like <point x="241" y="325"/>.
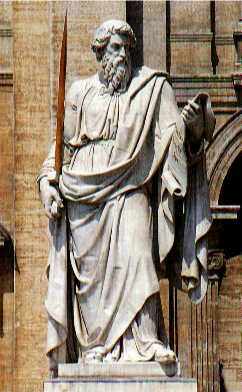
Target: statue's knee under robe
<point x="111" y="246"/>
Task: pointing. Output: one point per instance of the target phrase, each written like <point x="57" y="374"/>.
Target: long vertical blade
<point x="61" y="101"/>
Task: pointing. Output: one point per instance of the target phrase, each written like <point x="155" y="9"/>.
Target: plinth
<point x="119" y="377"/>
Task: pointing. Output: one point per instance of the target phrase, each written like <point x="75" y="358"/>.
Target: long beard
<point x="116" y="72"/>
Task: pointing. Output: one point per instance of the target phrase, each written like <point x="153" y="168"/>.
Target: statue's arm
<point x="190" y="122"/>
<point x="192" y="116"/>
<point x="182" y="151"/>
<point x="48" y="190"/>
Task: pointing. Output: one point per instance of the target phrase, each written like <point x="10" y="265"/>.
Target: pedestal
<point x="119" y="377"/>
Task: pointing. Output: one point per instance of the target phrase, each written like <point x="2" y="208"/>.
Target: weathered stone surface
<point x="118" y="377"/>
<point x="126" y="385"/>
<point x="230" y="344"/>
<point x="6" y="38"/>
<point x="154" y="28"/>
<point x="6" y="161"/>
<point x="32" y="132"/>
<point x="6" y="199"/>
<point x="185" y="12"/>
<point x="119" y="369"/>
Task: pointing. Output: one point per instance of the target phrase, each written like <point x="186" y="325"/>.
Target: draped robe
<point x="113" y="147"/>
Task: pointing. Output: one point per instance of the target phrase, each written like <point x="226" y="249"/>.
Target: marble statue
<point x="122" y="126"/>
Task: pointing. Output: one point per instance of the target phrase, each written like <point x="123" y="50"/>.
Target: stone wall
<point x="7" y="198"/>
<point x="31" y="56"/>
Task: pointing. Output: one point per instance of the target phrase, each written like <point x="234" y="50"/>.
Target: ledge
<point x="6" y="79"/>
<point x="225" y="212"/>
<point x="118" y="370"/>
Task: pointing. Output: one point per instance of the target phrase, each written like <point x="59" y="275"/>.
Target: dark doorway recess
<point x="231" y="194"/>
<point x="7" y="266"/>
<point x="134" y="17"/>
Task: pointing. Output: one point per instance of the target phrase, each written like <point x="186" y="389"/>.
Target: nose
<point x="122" y="52"/>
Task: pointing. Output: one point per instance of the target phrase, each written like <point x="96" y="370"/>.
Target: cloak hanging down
<point x="134" y="135"/>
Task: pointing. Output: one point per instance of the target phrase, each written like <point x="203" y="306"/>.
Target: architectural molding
<point x="6" y="32"/>
<point x="202" y="37"/>
<point x="191" y="37"/>
<point x="221" y="153"/>
<point x="6" y="79"/>
<point x="201" y="79"/>
<point x="220" y="89"/>
<point x="225" y="211"/>
<point x="222" y="40"/>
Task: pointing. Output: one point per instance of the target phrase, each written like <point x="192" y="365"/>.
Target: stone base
<point x="118" y="377"/>
<point x="118" y="369"/>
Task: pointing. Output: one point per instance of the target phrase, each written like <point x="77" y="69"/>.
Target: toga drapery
<point x="113" y="146"/>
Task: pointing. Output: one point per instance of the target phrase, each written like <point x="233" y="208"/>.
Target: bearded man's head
<point x="113" y="43"/>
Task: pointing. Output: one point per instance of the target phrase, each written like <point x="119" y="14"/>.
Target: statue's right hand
<point x="51" y="199"/>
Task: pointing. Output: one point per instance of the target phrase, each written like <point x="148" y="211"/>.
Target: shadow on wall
<point x="222" y="383"/>
<point x="8" y="264"/>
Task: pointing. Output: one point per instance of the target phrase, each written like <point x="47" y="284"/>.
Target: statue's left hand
<point x="192" y="116"/>
<point x="51" y="199"/>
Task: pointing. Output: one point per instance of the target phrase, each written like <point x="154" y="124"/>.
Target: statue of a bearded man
<point x="122" y="126"/>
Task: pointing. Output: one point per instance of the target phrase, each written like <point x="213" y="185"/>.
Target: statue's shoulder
<point x="147" y="73"/>
<point x="80" y="86"/>
<point x="142" y="77"/>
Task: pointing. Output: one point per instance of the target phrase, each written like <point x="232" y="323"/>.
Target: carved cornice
<point x="191" y="37"/>
<point x="224" y="40"/>
<point x="6" y="32"/>
<point x="225" y="211"/>
<point x="202" y="37"/>
<point x="219" y="87"/>
<point x="201" y="79"/>
<point x="6" y="79"/>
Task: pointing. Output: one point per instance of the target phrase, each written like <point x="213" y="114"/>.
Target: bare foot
<point x="165" y="355"/>
<point x="93" y="356"/>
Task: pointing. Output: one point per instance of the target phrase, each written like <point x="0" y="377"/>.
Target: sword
<point x="61" y="106"/>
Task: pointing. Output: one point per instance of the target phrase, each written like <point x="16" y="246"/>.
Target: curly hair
<point x="104" y="32"/>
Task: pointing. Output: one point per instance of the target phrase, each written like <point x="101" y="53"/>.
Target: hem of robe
<point x="123" y="328"/>
<point x="186" y="267"/>
<point x="57" y="321"/>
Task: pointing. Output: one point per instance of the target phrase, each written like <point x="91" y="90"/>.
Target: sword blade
<point x="61" y="102"/>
